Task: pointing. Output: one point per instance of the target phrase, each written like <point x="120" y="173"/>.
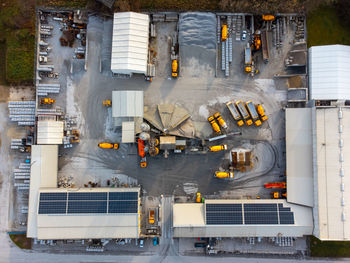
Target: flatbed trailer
<point x="265" y="46"/>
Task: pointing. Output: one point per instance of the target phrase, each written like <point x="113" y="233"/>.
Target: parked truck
<point x="244" y="113"/>
<point x="174" y="68"/>
<point x="214" y="124"/>
<point x="253" y="113"/>
<point x="248" y="60"/>
<point x="261" y="112"/>
<point x="220" y="120"/>
<point x="265" y="46"/>
<point x="234" y="112"/>
<point x="220" y="174"/>
<point x="107" y="145"/>
<point x="217" y="148"/>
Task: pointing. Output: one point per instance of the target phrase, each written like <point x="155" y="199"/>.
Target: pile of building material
<point x="23" y="112"/>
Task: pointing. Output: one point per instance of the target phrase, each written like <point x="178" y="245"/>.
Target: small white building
<point x="50" y="132"/>
<point x="130" y="43"/>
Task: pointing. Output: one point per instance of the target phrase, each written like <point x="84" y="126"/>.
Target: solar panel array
<point x="248" y="214"/>
<point x="88" y="203"/>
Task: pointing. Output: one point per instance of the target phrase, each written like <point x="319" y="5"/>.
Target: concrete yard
<point x="199" y="94"/>
<point x="202" y="90"/>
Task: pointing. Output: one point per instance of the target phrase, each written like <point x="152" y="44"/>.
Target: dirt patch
<point x="4" y="93"/>
<point x="21" y="241"/>
<point x="295" y="82"/>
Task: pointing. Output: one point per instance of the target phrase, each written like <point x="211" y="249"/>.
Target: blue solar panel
<point x="224" y="219"/>
<point x="223" y="207"/>
<point x="286" y="218"/>
<point x="284" y="209"/>
<point x="53" y="196"/>
<point x="87" y="196"/>
<point x="87" y="207"/>
<point x="52" y="207"/>
<point x="260" y="207"/>
<point x="260" y="218"/>
<point x="123" y="196"/>
<point x="122" y="207"/>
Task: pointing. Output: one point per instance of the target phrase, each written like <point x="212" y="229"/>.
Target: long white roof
<point x="329" y="72"/>
<point x="127" y="103"/>
<point x="299" y="156"/>
<point x="331" y="173"/>
<point x="189" y="221"/>
<point x="130" y="43"/>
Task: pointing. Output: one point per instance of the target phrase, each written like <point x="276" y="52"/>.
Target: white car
<point x="244" y="35"/>
<point x="141" y="242"/>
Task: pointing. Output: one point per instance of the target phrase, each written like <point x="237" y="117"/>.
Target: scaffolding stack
<point x="22" y="176"/>
<point x="22" y="112"/>
<point x="45" y="89"/>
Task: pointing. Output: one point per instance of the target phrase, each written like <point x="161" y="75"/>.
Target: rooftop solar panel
<point x="286" y="218"/>
<point x="53" y="196"/>
<point x="223" y="207"/>
<point x="122" y="207"/>
<point x="87" y="196"/>
<point x="224" y="219"/>
<point x="260" y="218"/>
<point x="87" y="207"/>
<point x="260" y="207"/>
<point x="123" y="196"/>
<point x="52" y="207"/>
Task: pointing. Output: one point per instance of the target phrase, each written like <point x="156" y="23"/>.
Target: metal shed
<point x="127" y="103"/>
<point x="50" y="132"/>
<point x="130" y="43"/>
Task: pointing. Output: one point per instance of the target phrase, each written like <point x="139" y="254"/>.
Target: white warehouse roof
<point x="331" y="173"/>
<point x="50" y="132"/>
<point x="329" y="72"/>
<point x="195" y="220"/>
<point x="130" y="43"/>
<point x="43" y="173"/>
<point x="127" y="103"/>
<point x="299" y="156"/>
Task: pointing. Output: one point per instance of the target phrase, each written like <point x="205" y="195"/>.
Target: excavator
<point x="107" y="145"/>
<point x="47" y="101"/>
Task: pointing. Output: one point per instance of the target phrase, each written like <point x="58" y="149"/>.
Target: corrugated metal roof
<point x="128" y="132"/>
<point x="331" y="180"/>
<point x="130" y="43"/>
<point x="299" y="156"/>
<point x="189" y="221"/>
<point x="43" y="173"/>
<point x="50" y="132"/>
<point x="329" y="72"/>
<point x="127" y="103"/>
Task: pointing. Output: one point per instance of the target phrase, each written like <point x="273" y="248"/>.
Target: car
<point x="141" y="243"/>
<point x="155" y="241"/>
<point x="201" y="244"/>
<point x="244" y="35"/>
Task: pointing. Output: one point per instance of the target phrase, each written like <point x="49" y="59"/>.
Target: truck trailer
<point x="253" y="113"/>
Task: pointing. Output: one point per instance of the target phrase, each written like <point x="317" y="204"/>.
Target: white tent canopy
<point x="130" y="43"/>
<point x="329" y="72"/>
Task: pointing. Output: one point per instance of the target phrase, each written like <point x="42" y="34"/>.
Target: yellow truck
<point x="253" y="113"/>
<point x="224" y="33"/>
<point x="174" y="68"/>
<point x="107" y="145"/>
<point x="220" y="120"/>
<point x="151" y="216"/>
<point x="219" y="174"/>
<point x="244" y="113"/>
<point x="261" y="112"/>
<point x="217" y="148"/>
<point x="235" y="114"/>
<point x="214" y="124"/>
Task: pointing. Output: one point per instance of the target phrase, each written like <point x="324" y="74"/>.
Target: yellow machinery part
<point x="220" y="120"/>
<point x="248" y="69"/>
<point x="268" y="17"/>
<point x="107" y="145"/>
<point x="240" y="123"/>
<point x="198" y="197"/>
<point x="258" y="123"/>
<point x="224" y="33"/>
<point x="174" y="67"/>
<point x="107" y="103"/>
<point x="249" y="122"/>
<point x="214" y="125"/>
<point x="143" y="164"/>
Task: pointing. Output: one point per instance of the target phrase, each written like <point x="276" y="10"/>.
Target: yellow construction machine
<point x="198" y="197"/>
<point x="220" y="120"/>
<point x="174" y="68"/>
<point x="47" y="101"/>
<point x="261" y="112"/>
<point x="107" y="103"/>
<point x="217" y="148"/>
<point x="268" y="17"/>
<point x="214" y="124"/>
<point x="107" y="145"/>
<point x="224" y="32"/>
<point x="220" y="174"/>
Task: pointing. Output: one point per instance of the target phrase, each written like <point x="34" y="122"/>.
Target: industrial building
<point x="77" y="213"/>
<point x="241" y="218"/>
<point x="130" y="43"/>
